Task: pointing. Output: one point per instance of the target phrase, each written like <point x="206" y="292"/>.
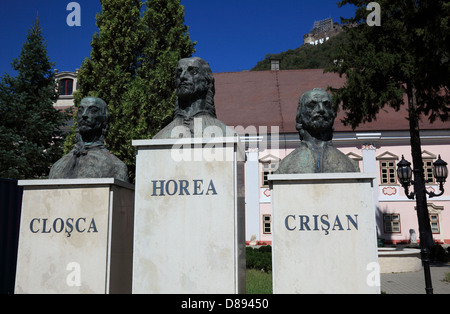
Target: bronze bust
<point x="195" y="113"/>
<point x="89" y="158"/>
<point x="316" y="153"/>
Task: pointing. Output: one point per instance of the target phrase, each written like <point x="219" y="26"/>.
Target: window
<point x="267" y="224"/>
<point x="388" y="172"/>
<point x="268" y="168"/>
<point x="269" y="165"/>
<point x="388" y="168"/>
<point x="434" y="213"/>
<point x="428" y="170"/>
<point x="428" y="159"/>
<point x="434" y="221"/>
<point x="66" y="87"/>
<point x="391" y="223"/>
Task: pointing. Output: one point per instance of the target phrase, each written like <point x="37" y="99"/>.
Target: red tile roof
<point x="270" y="98"/>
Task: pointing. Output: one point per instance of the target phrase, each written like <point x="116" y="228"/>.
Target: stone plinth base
<point x="324" y="234"/>
<point x="189" y="216"/>
<point x="75" y="236"/>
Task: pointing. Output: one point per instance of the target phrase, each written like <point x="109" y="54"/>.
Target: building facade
<point x="377" y="153"/>
<point x="261" y="106"/>
<point x="67" y="85"/>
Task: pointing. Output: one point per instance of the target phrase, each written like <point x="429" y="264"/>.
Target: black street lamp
<point x="404" y="174"/>
<point x="440" y="171"/>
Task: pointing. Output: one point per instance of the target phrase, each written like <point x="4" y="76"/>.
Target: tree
<point x="304" y="57"/>
<point x="406" y="59"/>
<point x="132" y="65"/>
<point x="113" y="59"/>
<point x="149" y="102"/>
<point x="30" y="135"/>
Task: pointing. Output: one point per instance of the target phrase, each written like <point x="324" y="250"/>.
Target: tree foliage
<point x="304" y="57"/>
<point x="132" y="65"/>
<point x="149" y="101"/>
<point x="405" y="58"/>
<point x="30" y="135"/>
<point x="408" y="52"/>
<point x="113" y="60"/>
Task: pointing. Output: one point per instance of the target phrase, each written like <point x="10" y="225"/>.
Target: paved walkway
<point x="414" y="282"/>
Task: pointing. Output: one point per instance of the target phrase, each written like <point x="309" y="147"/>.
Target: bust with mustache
<point x="195" y="113"/>
<point x="89" y="158"/>
<point x="316" y="153"/>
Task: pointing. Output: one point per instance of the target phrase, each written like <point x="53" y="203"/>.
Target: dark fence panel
<point x="10" y="209"/>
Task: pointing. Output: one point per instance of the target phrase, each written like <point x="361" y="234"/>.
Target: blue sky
<point x="232" y="35"/>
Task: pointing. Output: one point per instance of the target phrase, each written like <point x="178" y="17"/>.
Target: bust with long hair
<point x="195" y="113"/>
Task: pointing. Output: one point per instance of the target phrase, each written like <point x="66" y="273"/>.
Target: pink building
<point x="262" y="108"/>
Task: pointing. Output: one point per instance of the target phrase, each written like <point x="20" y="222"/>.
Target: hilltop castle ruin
<point x="322" y="31"/>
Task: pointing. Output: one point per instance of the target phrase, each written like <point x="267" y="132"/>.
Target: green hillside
<point x="304" y="57"/>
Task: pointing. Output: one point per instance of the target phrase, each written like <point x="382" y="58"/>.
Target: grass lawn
<point x="258" y="282"/>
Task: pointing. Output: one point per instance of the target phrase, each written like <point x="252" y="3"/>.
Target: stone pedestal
<point x="189" y="216"/>
<point x="324" y="234"/>
<point x="76" y="236"/>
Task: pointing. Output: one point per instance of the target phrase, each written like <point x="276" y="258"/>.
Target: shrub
<point x="260" y="259"/>
<point x="438" y="254"/>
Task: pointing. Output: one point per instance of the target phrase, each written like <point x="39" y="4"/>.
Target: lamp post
<point x="404" y="174"/>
